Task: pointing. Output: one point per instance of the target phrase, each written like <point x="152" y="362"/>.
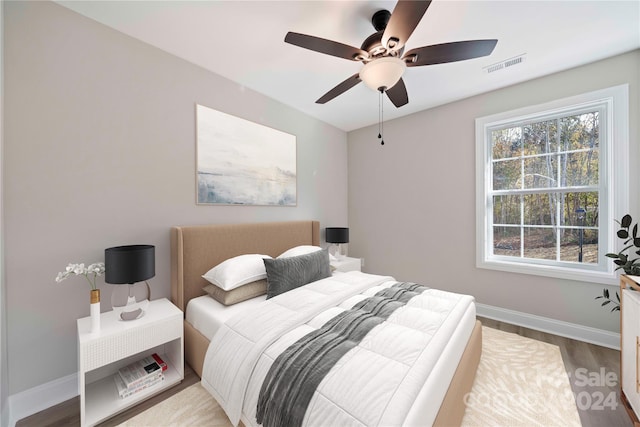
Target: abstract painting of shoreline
<point x="243" y="163"/>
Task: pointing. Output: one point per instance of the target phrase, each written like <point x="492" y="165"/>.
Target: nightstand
<point x="347" y="264"/>
<point x="119" y="343"/>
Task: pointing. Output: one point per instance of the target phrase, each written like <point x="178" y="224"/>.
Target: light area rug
<point x="520" y="382"/>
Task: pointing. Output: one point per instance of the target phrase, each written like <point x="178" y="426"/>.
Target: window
<point x="551" y="180"/>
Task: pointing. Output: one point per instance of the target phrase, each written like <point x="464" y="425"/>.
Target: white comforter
<point x="379" y="382"/>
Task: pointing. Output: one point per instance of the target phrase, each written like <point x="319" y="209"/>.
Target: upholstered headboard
<point x="196" y="249"/>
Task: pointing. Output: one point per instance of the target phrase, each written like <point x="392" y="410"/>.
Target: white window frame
<point x="614" y="182"/>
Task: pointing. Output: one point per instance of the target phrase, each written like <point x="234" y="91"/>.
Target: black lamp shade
<point x="337" y="234"/>
<point x="129" y="264"/>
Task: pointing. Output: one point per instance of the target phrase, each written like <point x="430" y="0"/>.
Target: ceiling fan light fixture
<point x="383" y="52"/>
<point x="382" y="72"/>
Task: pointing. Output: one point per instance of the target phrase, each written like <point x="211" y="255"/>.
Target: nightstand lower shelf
<point x="102" y="400"/>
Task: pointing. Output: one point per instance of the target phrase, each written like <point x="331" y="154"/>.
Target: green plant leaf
<point x="623" y="234"/>
<point x="626" y="221"/>
<point x="607" y="300"/>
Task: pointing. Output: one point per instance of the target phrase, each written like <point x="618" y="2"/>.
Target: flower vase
<point x="95" y="311"/>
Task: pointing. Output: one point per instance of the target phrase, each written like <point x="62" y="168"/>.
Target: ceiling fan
<point x="382" y="52"/>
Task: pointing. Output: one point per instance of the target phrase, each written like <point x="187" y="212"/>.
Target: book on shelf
<point x="140" y="371"/>
<point x="161" y="362"/>
<point x="124" y="391"/>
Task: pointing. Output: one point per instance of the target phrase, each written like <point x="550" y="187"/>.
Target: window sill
<point x="595" y="276"/>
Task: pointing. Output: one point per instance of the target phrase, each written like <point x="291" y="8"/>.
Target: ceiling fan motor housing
<point x="373" y="45"/>
<point x="380" y="19"/>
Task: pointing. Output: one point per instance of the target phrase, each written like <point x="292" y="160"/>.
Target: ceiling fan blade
<point x="340" y="89"/>
<point x="328" y="47"/>
<point x="398" y="94"/>
<point x="449" y="52"/>
<point x="404" y="19"/>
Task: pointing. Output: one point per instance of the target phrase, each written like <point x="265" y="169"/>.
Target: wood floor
<point x="590" y="368"/>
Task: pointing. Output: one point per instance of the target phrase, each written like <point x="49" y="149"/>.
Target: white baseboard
<point x="41" y="397"/>
<point x="556" y="327"/>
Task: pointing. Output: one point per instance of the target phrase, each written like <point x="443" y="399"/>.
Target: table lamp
<point x="130" y="265"/>
<point x="337" y="236"/>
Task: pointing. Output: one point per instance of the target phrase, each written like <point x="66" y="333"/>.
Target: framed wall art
<point x="240" y="162"/>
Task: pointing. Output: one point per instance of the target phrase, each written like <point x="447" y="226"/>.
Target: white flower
<point x="61" y="276"/>
<point x="96" y="269"/>
<point x="79" y="269"/>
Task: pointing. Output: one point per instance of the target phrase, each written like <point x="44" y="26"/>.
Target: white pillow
<point x="237" y="271"/>
<point x="299" y="250"/>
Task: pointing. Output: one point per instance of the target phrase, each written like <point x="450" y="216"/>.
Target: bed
<point x="195" y="249"/>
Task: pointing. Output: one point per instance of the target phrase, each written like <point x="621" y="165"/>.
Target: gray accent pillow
<point x="285" y="274"/>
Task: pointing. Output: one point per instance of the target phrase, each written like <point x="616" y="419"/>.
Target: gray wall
<point x="412" y="202"/>
<point x="4" y="383"/>
<point x="100" y="151"/>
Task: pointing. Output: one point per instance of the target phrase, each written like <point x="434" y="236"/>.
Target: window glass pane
<point x="572" y="203"/>
<point x="539" y="138"/>
<point x="580" y="168"/>
<point x="506" y="209"/>
<point x="580" y="131"/>
<point x="506" y="241"/>
<point x="580" y="210"/>
<point x="540" y="243"/>
<point x="571" y="249"/>
<point x="506" y="175"/>
<point x="540" y="209"/>
<point x="540" y="172"/>
<point x="506" y="143"/>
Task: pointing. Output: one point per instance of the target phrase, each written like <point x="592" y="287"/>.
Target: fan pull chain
<point x="380" y="118"/>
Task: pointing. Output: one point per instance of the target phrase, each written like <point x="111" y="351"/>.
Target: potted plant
<point x="624" y="259"/>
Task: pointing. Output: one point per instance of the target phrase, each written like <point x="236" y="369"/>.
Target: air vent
<point x="505" y="64"/>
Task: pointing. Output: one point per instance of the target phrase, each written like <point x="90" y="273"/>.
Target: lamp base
<point x="132" y="311"/>
<point x="130" y="302"/>
<point x="338" y="253"/>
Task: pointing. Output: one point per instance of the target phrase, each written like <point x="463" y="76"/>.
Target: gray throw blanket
<point x="297" y="372"/>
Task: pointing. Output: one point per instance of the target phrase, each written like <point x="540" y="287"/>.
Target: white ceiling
<point x="244" y="41"/>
